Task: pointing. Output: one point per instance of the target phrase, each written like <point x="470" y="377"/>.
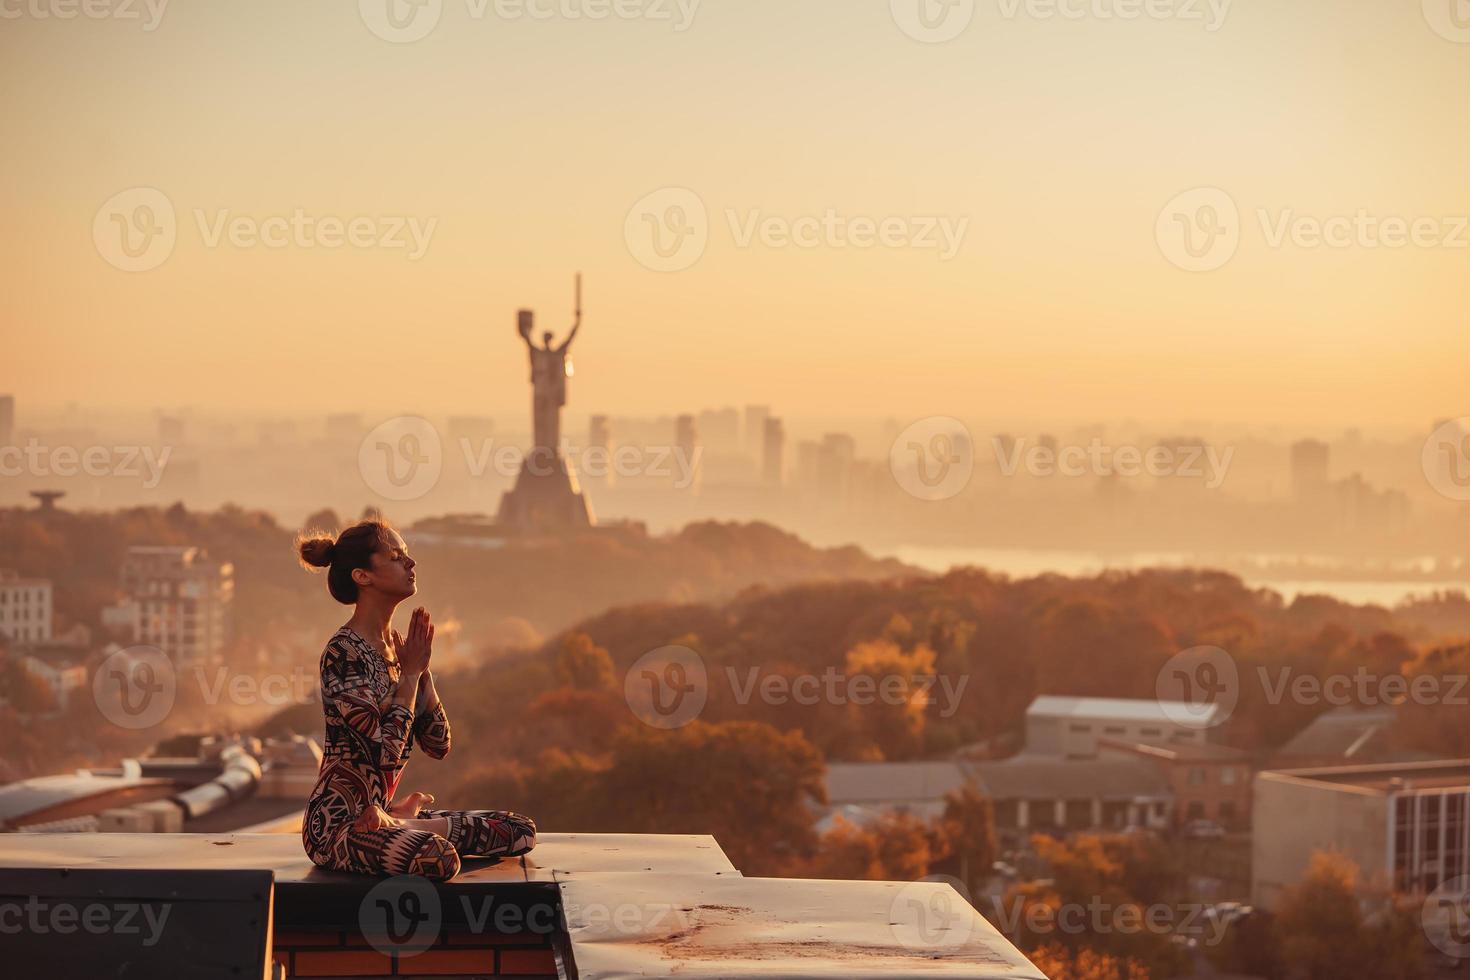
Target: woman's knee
<point x="435" y="859"/>
<point x="524" y="838"/>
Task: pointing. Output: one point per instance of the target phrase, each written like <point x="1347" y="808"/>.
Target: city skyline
<point x="1061" y="294"/>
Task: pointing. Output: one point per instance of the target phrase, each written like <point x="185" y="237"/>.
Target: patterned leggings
<point x="472" y="833"/>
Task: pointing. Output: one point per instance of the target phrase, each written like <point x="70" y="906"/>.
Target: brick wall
<point x="455" y="954"/>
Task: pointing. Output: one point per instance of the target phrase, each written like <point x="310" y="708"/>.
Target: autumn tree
<point x="583" y="665"/>
<point x="1323" y="933"/>
<point x="895" y="847"/>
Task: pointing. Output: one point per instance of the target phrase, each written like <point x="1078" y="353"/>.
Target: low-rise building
<point x="1071" y="727"/>
<point x="1405" y="825"/>
<point x="1209" y="782"/>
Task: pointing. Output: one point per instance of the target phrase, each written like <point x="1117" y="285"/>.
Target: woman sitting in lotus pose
<point x="379" y="699"/>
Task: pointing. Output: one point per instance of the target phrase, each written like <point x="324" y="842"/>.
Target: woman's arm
<point x="431" y="722"/>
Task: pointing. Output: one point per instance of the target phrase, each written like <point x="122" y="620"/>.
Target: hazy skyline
<point x="522" y="145"/>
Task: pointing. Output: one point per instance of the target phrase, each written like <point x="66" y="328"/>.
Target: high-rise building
<point x="598" y="467"/>
<point x="755" y="429"/>
<point x="1309" y="468"/>
<point x="773" y="452"/>
<point x="7" y="420"/>
<point x="686" y="442"/>
<point x="835" y="458"/>
<point x="179" y="600"/>
<point x="25" y="608"/>
<point x="719" y="429"/>
<point x="170" y="430"/>
<point x="345" y="427"/>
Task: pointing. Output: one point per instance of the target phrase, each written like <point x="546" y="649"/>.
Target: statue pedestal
<point x="546" y="497"/>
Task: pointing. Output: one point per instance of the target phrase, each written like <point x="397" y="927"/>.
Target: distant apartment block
<point x="25" y="608"/>
<point x="7" y="420"/>
<point x="1071" y="727"/>
<point x="773" y="452"/>
<point x="178" y="600"/>
<point x="1406" y="825"/>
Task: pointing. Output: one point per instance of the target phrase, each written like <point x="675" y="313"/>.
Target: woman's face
<point x="392" y="571"/>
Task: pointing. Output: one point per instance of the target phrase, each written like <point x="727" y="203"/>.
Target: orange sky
<point x="523" y="144"/>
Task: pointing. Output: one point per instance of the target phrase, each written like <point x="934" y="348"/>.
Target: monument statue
<point x="550" y="368"/>
<point x="546" y="498"/>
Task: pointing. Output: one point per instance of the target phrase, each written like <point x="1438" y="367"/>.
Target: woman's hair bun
<point x="316" y="550"/>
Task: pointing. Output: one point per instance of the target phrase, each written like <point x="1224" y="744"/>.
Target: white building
<point x="25" y="608"/>
<point x="1070" y="727"/>
<point x="179" y="601"/>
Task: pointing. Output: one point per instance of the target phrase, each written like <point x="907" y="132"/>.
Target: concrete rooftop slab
<point x="702" y="926"/>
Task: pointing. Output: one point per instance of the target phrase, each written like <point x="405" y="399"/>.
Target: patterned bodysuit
<point x="368" y="743"/>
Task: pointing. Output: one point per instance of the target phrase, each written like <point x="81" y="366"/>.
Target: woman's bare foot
<point x="409" y="808"/>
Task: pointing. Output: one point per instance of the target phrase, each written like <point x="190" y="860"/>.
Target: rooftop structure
<point x="585" y="907"/>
